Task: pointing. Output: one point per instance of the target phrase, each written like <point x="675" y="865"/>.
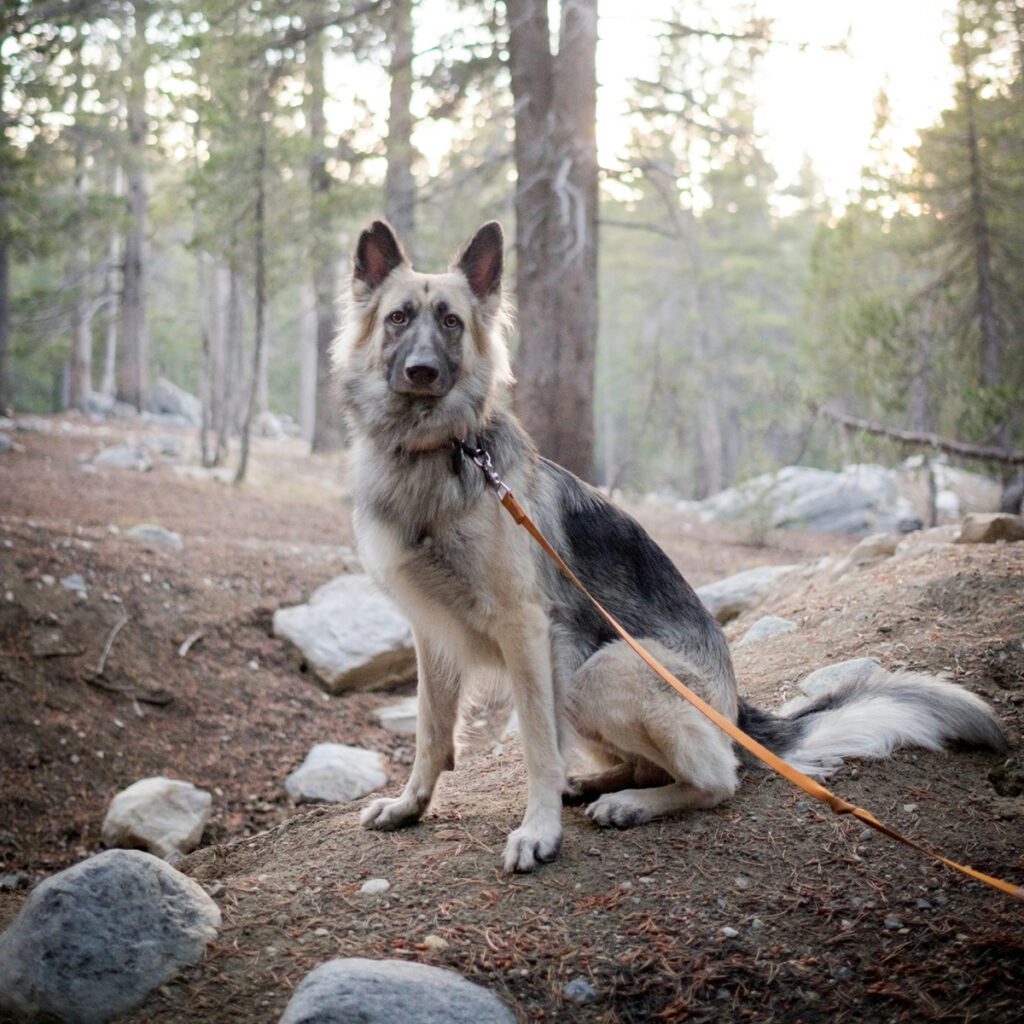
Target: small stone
<point x="988" y="528"/>
<point x="374" y="886"/>
<point x="254" y="665"/>
<point x="321" y="933"/>
<point x="334" y="772"/>
<point x="8" y="883"/>
<point x="579" y="991"/>
<point x="765" y="627"/>
<point x="923" y="905"/>
<point x="155" y="537"/>
<point x="729" y="933"/>
<point x="47" y="580"/>
<point x="910" y="808"/>
<point x="842" y="973"/>
<point x="893" y="924"/>
<point x="74" y="583"/>
<point x="435" y="942"/>
<point x="742" y="882"/>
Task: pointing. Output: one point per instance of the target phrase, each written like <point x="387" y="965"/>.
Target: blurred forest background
<point x="182" y="184"/>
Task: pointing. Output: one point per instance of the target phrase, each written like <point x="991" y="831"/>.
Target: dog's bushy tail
<point x="873" y="717"/>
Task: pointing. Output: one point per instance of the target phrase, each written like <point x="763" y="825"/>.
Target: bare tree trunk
<point x="132" y="383"/>
<point x="80" y="379"/>
<point x="260" y="261"/>
<point x="6" y="392"/>
<point x="556" y="226"/>
<point x="399" y="186"/>
<point x="327" y="426"/>
<point x="308" y="364"/>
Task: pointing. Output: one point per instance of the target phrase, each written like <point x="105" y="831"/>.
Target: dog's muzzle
<point x="420" y="369"/>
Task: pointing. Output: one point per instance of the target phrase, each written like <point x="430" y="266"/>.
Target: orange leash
<point x="798" y="778"/>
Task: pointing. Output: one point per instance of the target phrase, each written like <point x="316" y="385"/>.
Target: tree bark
<point x="6" y="391"/>
<point x="399" y="186"/>
<point x="132" y="382"/>
<point x="327" y="426"/>
<point x="80" y="378"/>
<point x="260" y="306"/>
<point x="981" y="237"/>
<point x="556" y="226"/>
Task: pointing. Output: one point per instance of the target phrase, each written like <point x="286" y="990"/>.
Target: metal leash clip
<point x="483" y="460"/>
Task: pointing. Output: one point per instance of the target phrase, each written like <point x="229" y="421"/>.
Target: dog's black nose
<point x="421" y="375"/>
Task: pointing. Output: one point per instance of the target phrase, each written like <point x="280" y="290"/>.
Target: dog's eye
<point x="451" y="321"/>
<point x="398" y="318"/>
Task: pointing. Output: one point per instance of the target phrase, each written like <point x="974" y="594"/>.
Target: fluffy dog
<point x="424" y="368"/>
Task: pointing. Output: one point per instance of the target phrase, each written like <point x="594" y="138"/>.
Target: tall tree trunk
<point x="6" y="391"/>
<point x="327" y="426"/>
<point x="132" y="382"/>
<point x="260" y="307"/>
<point x="556" y="226"/>
<point x="80" y="380"/>
<point x="308" y="364"/>
<point x="399" y="186"/>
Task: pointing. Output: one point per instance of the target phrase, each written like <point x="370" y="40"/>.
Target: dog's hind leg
<point x="438" y="699"/>
<point x="582" y="789"/>
<point x="619" y="701"/>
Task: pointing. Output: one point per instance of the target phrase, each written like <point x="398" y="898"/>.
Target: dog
<point x="424" y="370"/>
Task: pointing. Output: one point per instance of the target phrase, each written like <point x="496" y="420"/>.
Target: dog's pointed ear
<point x="377" y="254"/>
<point x="481" y="260"/>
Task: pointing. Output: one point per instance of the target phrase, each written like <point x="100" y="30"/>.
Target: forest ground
<point x="824" y="921"/>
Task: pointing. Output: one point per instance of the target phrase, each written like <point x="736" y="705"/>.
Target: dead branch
<point x="944" y="444"/>
<point x="121" y="623"/>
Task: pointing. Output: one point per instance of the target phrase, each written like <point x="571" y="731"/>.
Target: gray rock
<point x="92" y="941"/>
<point x="334" y="772"/>
<point x="75" y="583"/>
<point x="989" y="528"/>
<point x="124" y="456"/>
<point x="579" y="991"/>
<point x="6" y="444"/>
<point x="168" y="400"/>
<point x="766" y="626"/>
<point x="351" y="635"/>
<point x="400" y="717"/>
<point x="375" y="886"/>
<point x="727" y="598"/>
<point x="164" y="816"/>
<point x="870" y="551"/>
<point x="8" y="883"/>
<point x="389" y="991"/>
<point x="155" y="537"/>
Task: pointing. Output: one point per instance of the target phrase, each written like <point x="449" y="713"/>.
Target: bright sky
<point x="810" y="100"/>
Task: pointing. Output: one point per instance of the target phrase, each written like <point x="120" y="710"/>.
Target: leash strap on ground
<point x="761" y="752"/>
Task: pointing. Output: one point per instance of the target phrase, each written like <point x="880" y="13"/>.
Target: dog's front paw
<point x="530" y="846"/>
<point x="618" y="810"/>
<point x="389" y="813"/>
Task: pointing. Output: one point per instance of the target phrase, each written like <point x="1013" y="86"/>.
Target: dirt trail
<point x="765" y="909"/>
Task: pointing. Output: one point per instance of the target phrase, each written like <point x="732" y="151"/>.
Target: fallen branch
<point x="189" y="641"/>
<point x="121" y="623"/>
<point x="960" y="448"/>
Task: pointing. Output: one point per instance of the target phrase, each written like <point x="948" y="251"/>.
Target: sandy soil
<point x="830" y="923"/>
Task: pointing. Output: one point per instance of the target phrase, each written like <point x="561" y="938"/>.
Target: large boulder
<point x="124" y="456"/>
<point x="351" y="635"/>
<point x="164" y="816"/>
<point x="862" y="497"/>
<point x="727" y="598"/>
<point x="335" y="773"/>
<point x="988" y="529"/>
<point x="387" y="991"/>
<point x="167" y="399"/>
<point x="93" y="941"/>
